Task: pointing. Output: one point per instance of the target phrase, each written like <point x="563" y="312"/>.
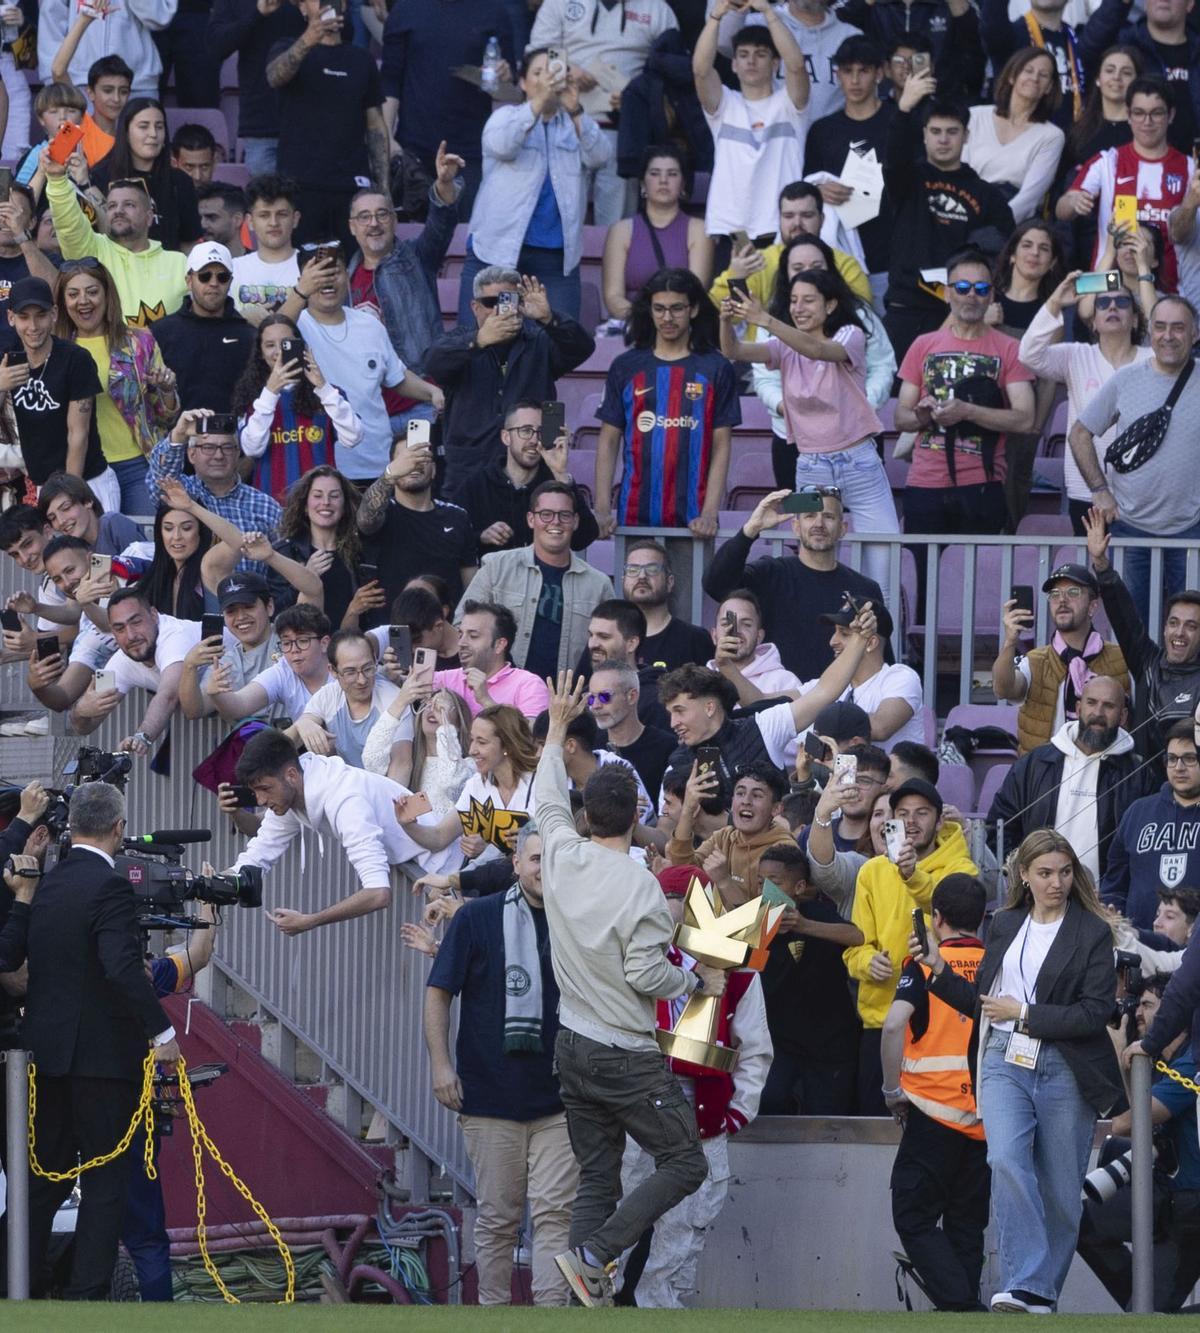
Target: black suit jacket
<point x="90" y="1010"/>
<point x="1076" y="990"/>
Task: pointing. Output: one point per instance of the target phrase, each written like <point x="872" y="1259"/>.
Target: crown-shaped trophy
<point x="725" y="940"/>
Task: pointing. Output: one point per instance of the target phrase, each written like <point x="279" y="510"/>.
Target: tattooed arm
<point x="379" y="155"/>
<point x="373" y="504"/>
<point x="282" y="69"/>
<point x="79" y="420"/>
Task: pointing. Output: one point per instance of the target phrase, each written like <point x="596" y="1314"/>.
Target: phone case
<point x="893" y="834"/>
<point x="845" y="769"/>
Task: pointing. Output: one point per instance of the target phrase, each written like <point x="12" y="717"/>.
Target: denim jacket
<point x="514" y="166"/>
<point x="406" y="284"/>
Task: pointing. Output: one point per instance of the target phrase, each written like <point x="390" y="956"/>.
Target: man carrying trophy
<point x="609" y="934"/>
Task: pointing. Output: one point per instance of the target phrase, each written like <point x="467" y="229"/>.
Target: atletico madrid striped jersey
<point x="666" y="412"/>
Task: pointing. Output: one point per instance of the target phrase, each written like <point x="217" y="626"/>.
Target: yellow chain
<point x="1177" y="1077"/>
<point x="200" y="1141"/>
<point x="144" y="1112"/>
<point x="200" y="1138"/>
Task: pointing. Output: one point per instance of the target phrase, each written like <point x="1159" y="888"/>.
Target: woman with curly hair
<point x="290" y="417"/>
<point x="318" y="530"/>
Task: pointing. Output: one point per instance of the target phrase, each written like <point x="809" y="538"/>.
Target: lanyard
<point x="1021" y="963"/>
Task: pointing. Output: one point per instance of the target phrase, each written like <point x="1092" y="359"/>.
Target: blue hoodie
<point x="1157" y="845"/>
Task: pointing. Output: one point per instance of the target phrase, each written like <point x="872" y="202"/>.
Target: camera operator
<point x="90" y="1016"/>
<point x="353" y="806"/>
<point x="1107" y="1223"/>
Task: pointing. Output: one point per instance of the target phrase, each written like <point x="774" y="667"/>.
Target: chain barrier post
<point x="16" y="1078"/>
<point x="1142" y="1201"/>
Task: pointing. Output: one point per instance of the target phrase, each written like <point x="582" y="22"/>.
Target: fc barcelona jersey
<point x="667" y="412"/>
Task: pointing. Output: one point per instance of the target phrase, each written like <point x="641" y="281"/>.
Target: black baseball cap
<point x="1079" y="574"/>
<point x="241" y="589"/>
<point x="30" y="292"/>
<point x="884" y="625"/>
<point x="917" y="787"/>
<point x="842" y="721"/>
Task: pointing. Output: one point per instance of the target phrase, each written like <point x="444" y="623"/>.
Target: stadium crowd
<point x="267" y="464"/>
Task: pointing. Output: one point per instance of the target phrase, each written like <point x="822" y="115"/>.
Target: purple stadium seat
<point x="1044" y="525"/>
<point x="586" y="413"/>
<point x="1048" y="474"/>
<point x="593" y="243"/>
<point x="992" y="781"/>
<point x="607" y="351"/>
<point x="1054" y="436"/>
<point x="988" y="598"/>
<point x="591" y="304"/>
<point x="229" y="73"/>
<point x="575" y="393"/>
<point x="754" y="415"/>
<point x="750" y="478"/>
<point x="232" y="173"/>
<point x="409" y="231"/>
<point x="956" y="786"/>
<point x="212" y="120"/>
<point x="600" y="555"/>
<point x="983" y="761"/>
<point x="448" y="300"/>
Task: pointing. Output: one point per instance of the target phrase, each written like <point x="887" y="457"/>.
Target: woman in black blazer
<point x="1042" y="1062"/>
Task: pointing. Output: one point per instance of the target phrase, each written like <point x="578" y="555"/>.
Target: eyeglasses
<point x="651" y="570"/>
<point x="210" y="449"/>
<point x="214" y="275"/>
<point x="548" y="516"/>
<point x="300" y="645"/>
<point x="525" y="432"/>
<point x="356" y="673"/>
<point x="964" y="288"/>
<point x="379" y="215"/>
<point x="1119" y="301"/>
<point x="1183" y="760"/>
<point x="602" y="698"/>
<point x="1141" y="113"/>
<point x="1067" y="594"/>
<point x="491" y="302"/>
<point x="668" y="311"/>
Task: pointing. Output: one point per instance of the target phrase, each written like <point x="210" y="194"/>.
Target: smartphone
<point x="739" y="238"/>
<point x="803" y="502"/>
<point x="245" y="797"/>
<point x="418" y="434"/>
<point x="367" y="573"/>
<point x="853" y="604"/>
<point x="919" y="930"/>
<point x="1022" y="594"/>
<point x="729" y="620"/>
<point x="11" y="621"/>
<point x="400" y="642"/>
<point x="418" y="804"/>
<point x="211" y="625"/>
<point x="65" y="142"/>
<point x="845" y="770"/>
<point x="105" y="681"/>
<point x="741" y="286"/>
<point x="100" y="566"/>
<point x="19" y="357"/>
<point x="1125" y="212"/>
<point x="5" y="184"/>
<point x="47" y="646"/>
<point x="554" y="423"/>
<point x="893" y="838"/>
<point x="220" y="423"/>
<point x="291" y="349"/>
<point x="556" y="66"/>
<point x="424" y="664"/>
<point x="508" y="303"/>
<point x="708" y="759"/>
<point x="816" y="748"/>
<point x="922" y="62"/>
<point x="1091" y="284"/>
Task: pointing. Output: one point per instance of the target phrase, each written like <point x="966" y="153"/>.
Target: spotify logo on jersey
<point x="645" y="421"/>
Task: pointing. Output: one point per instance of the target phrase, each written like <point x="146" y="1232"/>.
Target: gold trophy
<point x="725" y="940"/>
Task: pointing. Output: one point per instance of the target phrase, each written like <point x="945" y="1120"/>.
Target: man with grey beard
<point x="1080" y="782"/>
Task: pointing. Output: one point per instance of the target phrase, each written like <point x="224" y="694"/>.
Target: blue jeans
<point x="564" y="290"/>
<point x="1039" y="1134"/>
<point x="1136" y="571"/>
<point x="866" y="492"/>
<point x="131" y="477"/>
<point x="261" y="155"/>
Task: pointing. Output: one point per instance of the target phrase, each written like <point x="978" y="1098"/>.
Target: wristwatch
<point x="142" y="739"/>
<point x="699" y="982"/>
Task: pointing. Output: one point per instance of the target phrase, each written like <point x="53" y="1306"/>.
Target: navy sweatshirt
<point x="1157" y="845"/>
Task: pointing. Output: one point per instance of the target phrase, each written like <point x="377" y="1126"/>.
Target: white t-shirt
<point x="176" y="638"/>
<point x="258" y="285"/>
<point x="481" y="790"/>
<point x="778" y="730"/>
<point x="1023" y="961"/>
<point x="350" y="735"/>
<point x="287" y="694"/>
<point x="1075" y="810"/>
<point x="893" y="682"/>
<point x="358" y="358"/>
<point x="758" y="149"/>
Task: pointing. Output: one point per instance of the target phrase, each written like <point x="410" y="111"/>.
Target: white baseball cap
<point x="209" y="252"/>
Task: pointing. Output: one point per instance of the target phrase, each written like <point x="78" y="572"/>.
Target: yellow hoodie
<point x="883" y="904"/>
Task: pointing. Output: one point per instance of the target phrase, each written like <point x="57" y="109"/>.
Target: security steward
<point x="941" y="1182"/>
<point x="91" y="1016"/>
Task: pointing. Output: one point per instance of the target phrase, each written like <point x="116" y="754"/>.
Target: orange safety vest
<point x="934" y="1071"/>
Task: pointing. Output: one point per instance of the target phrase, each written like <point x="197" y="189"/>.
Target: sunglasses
<point x="78" y="265"/>
<point x="490" y="302"/>
<point x="602" y="698"/>
<point x="214" y="275"/>
<point x="130" y="183"/>
<point x="1119" y="301"/>
<point x="811" y="488"/>
<point x="964" y="288"/>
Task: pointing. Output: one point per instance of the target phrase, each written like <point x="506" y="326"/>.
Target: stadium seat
<point x="1044" y="525"/>
<point x="992" y="782"/>
<point x="750" y="478"/>
<point x="213" y="120"/>
<point x="232" y="173"/>
<point x="956" y="786"/>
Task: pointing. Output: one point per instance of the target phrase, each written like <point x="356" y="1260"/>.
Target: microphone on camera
<point x="171" y="836"/>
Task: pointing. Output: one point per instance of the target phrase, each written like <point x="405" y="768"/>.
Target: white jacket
<point x="125" y="32"/>
<point x="355" y="808"/>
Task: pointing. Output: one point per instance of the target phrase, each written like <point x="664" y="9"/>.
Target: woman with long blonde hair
<point x="1043" y="1066"/>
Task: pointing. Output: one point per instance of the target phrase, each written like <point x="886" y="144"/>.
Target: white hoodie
<point x="355" y="808"/>
<point x="766" y="672"/>
<point x="1075" y="815"/>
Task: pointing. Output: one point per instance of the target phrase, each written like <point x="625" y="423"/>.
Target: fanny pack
<point x="1140" y="441"/>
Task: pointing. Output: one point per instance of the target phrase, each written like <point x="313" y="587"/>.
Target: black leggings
<point x="783" y="463"/>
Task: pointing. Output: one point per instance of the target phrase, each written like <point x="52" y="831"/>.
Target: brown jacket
<point x="741" y="852"/>
<point x="1035" y="720"/>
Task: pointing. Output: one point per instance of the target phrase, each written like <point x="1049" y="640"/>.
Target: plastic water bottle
<point x="490" y="73"/>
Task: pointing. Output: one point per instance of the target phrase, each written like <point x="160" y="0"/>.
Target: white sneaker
<point x="14" y="728"/>
<point x="1012" y="1302"/>
<point x="38" y="726"/>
